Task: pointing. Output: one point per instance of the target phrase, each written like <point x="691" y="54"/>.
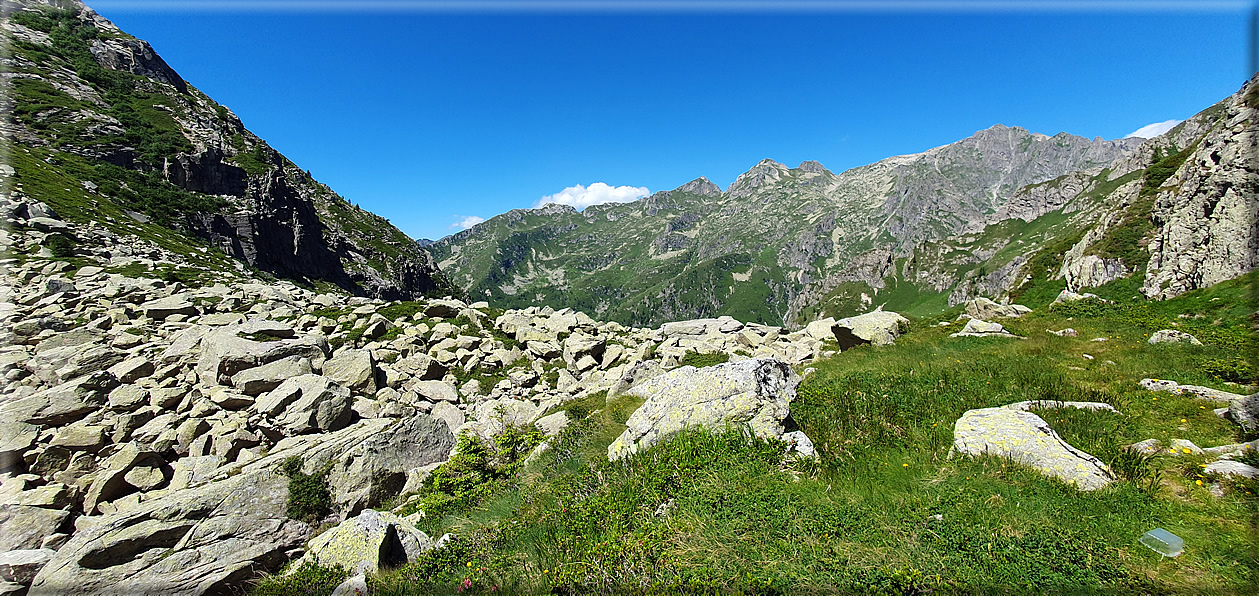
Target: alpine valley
<point x="1012" y="364"/>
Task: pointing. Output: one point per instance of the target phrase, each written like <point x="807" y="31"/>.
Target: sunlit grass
<point x="886" y="509"/>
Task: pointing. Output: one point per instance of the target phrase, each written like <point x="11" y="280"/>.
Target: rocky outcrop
<point x="1207" y="229"/>
<point x="756" y="393"/>
<point x="216" y="181"/>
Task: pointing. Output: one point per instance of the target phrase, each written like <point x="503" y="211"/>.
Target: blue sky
<point x="429" y="118"/>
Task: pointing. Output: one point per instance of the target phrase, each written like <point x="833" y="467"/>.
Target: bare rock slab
<point x="1027" y="439"/>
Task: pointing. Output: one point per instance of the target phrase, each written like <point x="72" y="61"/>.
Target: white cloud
<point x="1150" y="131"/>
<point x="581" y="197"/>
<point x="467" y="222"/>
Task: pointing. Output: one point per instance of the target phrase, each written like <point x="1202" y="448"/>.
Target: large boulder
<point x="580" y="345"/>
<point x="161" y="308"/>
<point x="1245" y="412"/>
<point x="981" y="328"/>
<point x="229" y="350"/>
<point x="20" y="566"/>
<point x="129" y="470"/>
<point x="368" y="542"/>
<point x="15" y="439"/>
<point x="355" y="369"/>
<point x="308" y="403"/>
<point x="1026" y="438"/>
<point x="378" y="468"/>
<point x="25" y="527"/>
<point x="820" y="329"/>
<point x="756" y="392"/>
<point x="62" y="404"/>
<point x="983" y="308"/>
<point x="880" y="328"/>
<point x="260" y="379"/>
<point x="635" y="375"/>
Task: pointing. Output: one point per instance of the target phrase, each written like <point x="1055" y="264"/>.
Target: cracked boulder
<point x="369" y="542"/>
<point x="235" y="348"/>
<point x="756" y="392"/>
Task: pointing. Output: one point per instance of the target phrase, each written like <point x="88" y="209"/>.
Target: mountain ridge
<point x="113" y="115"/>
<point x="812" y="241"/>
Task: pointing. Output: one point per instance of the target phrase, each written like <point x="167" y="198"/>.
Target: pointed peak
<point x="765" y="172"/>
<point x="700" y="186"/>
<point x="809" y="165"/>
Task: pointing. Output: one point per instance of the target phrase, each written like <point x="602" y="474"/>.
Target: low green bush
<point x="310" y="496"/>
<point x="307" y="580"/>
<point x="60" y="246"/>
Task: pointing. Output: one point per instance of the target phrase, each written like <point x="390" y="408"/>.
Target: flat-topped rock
<point x="162" y="308"/>
<point x="879" y="327"/>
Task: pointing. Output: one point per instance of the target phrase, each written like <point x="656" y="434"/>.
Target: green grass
<point x="699" y="360"/>
<point x="884" y="509"/>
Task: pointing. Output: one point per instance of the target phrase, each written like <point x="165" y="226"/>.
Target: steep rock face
<point x="96" y="106"/>
<point x="1180" y="212"/>
<point x="1208" y="215"/>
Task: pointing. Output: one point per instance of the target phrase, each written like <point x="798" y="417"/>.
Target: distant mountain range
<point x="982" y="216"/>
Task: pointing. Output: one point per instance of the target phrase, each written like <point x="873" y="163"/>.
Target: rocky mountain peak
<point x="767" y="171"/>
<point x="701" y="186"/>
<point x="187" y="165"/>
<point x="811" y="166"/>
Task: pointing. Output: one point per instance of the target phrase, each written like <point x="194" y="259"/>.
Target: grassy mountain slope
<point x="103" y="130"/>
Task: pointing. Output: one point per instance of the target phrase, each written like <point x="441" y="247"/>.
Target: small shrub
<point x="310" y="497"/>
<point x="699" y="360"/>
<point x="1235" y="369"/>
<point x="475" y="471"/>
<point x="60" y="246"/>
<point x="1139" y="469"/>
<point x="307" y="579"/>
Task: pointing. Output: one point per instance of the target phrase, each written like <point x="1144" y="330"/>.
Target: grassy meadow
<point x="883" y="509"/>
